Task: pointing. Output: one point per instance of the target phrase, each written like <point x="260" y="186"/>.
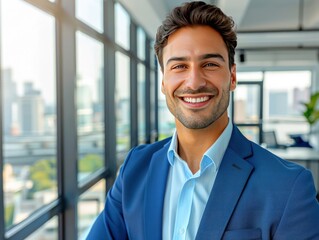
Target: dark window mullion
<point x="109" y="91"/>
<point x="133" y="88"/>
<point x="147" y="91"/>
<point x="68" y="120"/>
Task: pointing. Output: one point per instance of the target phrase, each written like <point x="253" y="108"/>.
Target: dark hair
<point x="197" y="13"/>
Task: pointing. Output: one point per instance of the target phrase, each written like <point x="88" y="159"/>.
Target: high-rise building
<point x="84" y="107"/>
<point x="31" y="111"/>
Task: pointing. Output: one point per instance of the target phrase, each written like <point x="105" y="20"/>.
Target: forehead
<point x="194" y="40"/>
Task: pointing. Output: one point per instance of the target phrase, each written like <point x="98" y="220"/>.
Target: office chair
<point x="270" y="139"/>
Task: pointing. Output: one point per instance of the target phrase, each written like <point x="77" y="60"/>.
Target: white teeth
<point x="195" y="100"/>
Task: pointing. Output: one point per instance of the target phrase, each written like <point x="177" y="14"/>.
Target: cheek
<point x="171" y="83"/>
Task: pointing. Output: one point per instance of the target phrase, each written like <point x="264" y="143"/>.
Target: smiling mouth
<point x="196" y="99"/>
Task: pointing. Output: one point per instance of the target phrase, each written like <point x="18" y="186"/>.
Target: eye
<point x="179" y="66"/>
<point x="210" y="65"/>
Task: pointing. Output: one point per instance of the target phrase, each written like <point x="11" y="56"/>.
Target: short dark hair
<point x="197" y="13"/>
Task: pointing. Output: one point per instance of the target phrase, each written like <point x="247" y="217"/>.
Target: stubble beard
<point x="201" y="121"/>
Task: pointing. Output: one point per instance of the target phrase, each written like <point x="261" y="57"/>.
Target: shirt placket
<point x="184" y="207"/>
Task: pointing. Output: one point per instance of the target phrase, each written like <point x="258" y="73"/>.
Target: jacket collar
<point x="154" y="194"/>
<point x="232" y="176"/>
<point x="230" y="182"/>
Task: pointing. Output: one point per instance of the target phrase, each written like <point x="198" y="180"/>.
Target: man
<point x="207" y="181"/>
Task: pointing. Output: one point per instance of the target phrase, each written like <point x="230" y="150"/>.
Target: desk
<point x="307" y="157"/>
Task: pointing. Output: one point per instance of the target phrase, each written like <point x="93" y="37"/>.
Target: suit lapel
<point x="154" y="194"/>
<point x="230" y="182"/>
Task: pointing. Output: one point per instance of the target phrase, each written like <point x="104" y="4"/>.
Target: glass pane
<point x="91" y="13"/>
<point x="90" y="104"/>
<point x="247" y="103"/>
<point x="249" y="76"/>
<point x="153" y="60"/>
<point x="49" y="231"/>
<point x="153" y="101"/>
<point x="284" y="93"/>
<point x="252" y="133"/>
<point x="29" y="109"/>
<point x="166" y="120"/>
<point x="90" y="204"/>
<point x="141" y="104"/>
<point x="122" y="105"/>
<point x="141" y="38"/>
<point x="122" y="27"/>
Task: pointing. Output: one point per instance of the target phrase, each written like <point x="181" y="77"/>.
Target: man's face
<point x="196" y="77"/>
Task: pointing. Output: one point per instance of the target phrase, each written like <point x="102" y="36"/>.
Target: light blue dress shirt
<point x="187" y="193"/>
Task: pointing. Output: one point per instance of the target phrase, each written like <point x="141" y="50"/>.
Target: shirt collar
<point x="213" y="155"/>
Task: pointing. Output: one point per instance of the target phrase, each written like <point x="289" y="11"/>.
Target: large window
<point x="72" y="71"/>
<point x="285" y="91"/>
<point x="122" y="101"/>
<point x="90" y="104"/>
<point x="247" y="104"/>
<point x="141" y="102"/>
<point x="90" y="205"/>
<point x="122" y="27"/>
<point x="49" y="231"/>
<point x="271" y="101"/>
<point x="91" y="13"/>
<point x="29" y="132"/>
<point x="166" y="123"/>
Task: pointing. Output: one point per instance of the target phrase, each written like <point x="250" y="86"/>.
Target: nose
<point x="195" y="79"/>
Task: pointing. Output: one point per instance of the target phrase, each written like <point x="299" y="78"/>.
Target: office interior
<point x="80" y="86"/>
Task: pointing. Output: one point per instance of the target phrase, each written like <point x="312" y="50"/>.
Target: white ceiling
<point x="260" y="23"/>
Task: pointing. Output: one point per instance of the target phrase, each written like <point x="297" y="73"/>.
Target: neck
<point x="193" y="143"/>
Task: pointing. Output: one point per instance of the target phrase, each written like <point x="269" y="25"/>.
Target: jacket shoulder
<point x="140" y="156"/>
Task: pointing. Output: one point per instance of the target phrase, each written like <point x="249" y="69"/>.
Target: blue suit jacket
<point x="256" y="195"/>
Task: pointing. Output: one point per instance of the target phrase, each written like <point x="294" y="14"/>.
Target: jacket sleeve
<point x="110" y="223"/>
<point x="300" y="219"/>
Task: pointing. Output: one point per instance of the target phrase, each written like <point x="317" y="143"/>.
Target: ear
<point x="163" y="87"/>
<point x="233" y="78"/>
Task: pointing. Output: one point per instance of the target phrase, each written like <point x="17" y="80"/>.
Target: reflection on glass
<point x="141" y="104"/>
<point x="49" y="231"/>
<point x="247" y="104"/>
<point x="29" y="109"/>
<point x="90" y="104"/>
<point x="122" y="105"/>
<point x="91" y="13"/>
<point x="141" y="38"/>
<point x="122" y="26"/>
<point x="90" y="205"/>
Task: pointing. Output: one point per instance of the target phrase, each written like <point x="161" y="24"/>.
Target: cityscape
<point x="30" y="151"/>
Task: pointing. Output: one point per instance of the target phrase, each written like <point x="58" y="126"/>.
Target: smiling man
<point x="208" y="181"/>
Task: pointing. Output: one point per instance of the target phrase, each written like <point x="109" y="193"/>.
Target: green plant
<point x="311" y="112"/>
<point x="43" y="175"/>
<point x="9" y="213"/>
<point x="90" y="163"/>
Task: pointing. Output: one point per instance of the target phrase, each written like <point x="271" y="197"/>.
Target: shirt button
<point x="182" y="231"/>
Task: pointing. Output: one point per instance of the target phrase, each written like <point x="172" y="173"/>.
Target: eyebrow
<point x="203" y="57"/>
<point x="176" y="59"/>
<point x="212" y="55"/>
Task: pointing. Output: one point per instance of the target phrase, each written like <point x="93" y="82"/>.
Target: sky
<point x="28" y="45"/>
